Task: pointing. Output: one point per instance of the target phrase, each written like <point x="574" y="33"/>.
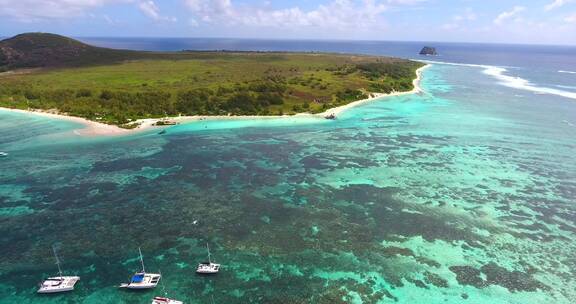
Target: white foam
<point x="510" y="81"/>
<point x="456" y="64"/>
<point x="567" y="87"/>
<point x="567" y="72"/>
<point x="523" y="84"/>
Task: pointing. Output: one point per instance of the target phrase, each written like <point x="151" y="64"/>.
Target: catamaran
<point x="142" y="280"/>
<point x="60" y="283"/>
<point x="165" y="299"/>
<point x="208" y="267"/>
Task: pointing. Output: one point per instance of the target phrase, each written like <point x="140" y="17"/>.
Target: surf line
<point x="499" y="73"/>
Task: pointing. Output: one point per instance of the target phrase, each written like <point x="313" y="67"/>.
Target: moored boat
<point x="60" y="283"/>
<point x="162" y="300"/>
<point x="208" y="267"/>
<point x="142" y="279"/>
<point x="165" y="299"/>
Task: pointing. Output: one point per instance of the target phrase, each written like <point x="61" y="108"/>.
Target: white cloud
<point x="34" y="10"/>
<point x="468" y="15"/>
<point x="150" y="9"/>
<point x="504" y="16"/>
<point x="38" y="10"/>
<point x="556" y="4"/>
<point x="192" y="22"/>
<point x="405" y="2"/>
<point x="337" y="14"/>
<point x="570" y="18"/>
<point x="457" y="20"/>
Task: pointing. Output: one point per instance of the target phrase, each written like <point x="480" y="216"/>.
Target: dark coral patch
<point x="514" y="281"/>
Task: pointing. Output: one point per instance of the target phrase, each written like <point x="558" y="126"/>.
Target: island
<point x="429" y="51"/>
<point x="56" y="74"/>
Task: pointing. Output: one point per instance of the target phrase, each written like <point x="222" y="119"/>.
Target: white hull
<point x="149" y="280"/>
<point x="208" y="268"/>
<point x="58" y="284"/>
<point x="131" y="286"/>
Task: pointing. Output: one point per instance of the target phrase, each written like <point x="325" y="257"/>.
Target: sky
<point x="497" y="21"/>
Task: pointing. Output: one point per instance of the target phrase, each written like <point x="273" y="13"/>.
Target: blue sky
<point x="507" y="21"/>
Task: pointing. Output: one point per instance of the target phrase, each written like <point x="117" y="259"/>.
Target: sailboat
<point x="208" y="267"/>
<point x="165" y="299"/>
<point x="60" y="283"/>
<point x="142" y="280"/>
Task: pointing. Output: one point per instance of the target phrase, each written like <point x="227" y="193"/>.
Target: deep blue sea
<point x="463" y="193"/>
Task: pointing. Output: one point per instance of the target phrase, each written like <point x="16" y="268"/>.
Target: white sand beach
<point x="93" y="128"/>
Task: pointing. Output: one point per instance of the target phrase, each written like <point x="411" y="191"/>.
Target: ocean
<point x="463" y="193"/>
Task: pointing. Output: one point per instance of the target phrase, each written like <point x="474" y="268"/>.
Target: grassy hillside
<point x="132" y="85"/>
<point x="33" y="50"/>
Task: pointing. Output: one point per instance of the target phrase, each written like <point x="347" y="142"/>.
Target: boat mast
<point x="141" y="260"/>
<point x="209" y="261"/>
<point x="57" y="261"/>
<point x="163" y="287"/>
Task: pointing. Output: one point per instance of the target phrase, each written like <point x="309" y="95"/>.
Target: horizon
<point x="534" y="22"/>
<point x="3" y="37"/>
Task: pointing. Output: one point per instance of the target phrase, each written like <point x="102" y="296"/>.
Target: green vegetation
<point x="154" y="85"/>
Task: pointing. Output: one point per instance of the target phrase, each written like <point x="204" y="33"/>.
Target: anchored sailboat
<point x="208" y="267"/>
<point x="60" y="283"/>
<point x="142" y="280"/>
<point x="165" y="299"/>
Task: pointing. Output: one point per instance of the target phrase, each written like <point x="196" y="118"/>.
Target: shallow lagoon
<point x="462" y="194"/>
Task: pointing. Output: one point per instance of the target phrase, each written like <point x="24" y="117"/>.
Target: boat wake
<point x="567" y="72"/>
<point x="512" y="81"/>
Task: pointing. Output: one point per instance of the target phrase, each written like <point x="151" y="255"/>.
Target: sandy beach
<point x="376" y="96"/>
<point x="93" y="128"/>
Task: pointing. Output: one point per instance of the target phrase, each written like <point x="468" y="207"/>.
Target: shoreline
<point x="94" y="128"/>
<point x="417" y="89"/>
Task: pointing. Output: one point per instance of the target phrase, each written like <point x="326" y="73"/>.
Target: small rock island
<point x="428" y="51"/>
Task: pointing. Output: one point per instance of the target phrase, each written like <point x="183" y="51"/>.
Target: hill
<point x="39" y="50"/>
<point x="118" y="86"/>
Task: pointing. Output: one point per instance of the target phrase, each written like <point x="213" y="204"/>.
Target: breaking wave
<point x="523" y="84"/>
<point x="512" y="81"/>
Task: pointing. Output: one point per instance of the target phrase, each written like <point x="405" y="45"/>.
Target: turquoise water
<point x="461" y="194"/>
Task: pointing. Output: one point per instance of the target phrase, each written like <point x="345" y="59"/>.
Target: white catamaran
<point x="142" y="280"/>
<point x="208" y="267"/>
<point x="60" y="283"/>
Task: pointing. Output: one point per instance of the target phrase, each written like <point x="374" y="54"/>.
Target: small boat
<point x="208" y="267"/>
<point x="60" y="283"/>
<point x="165" y="299"/>
<point x="142" y="279"/>
<point x="162" y="300"/>
<point x="330" y="117"/>
<point x="165" y="122"/>
<point x="3" y="154"/>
